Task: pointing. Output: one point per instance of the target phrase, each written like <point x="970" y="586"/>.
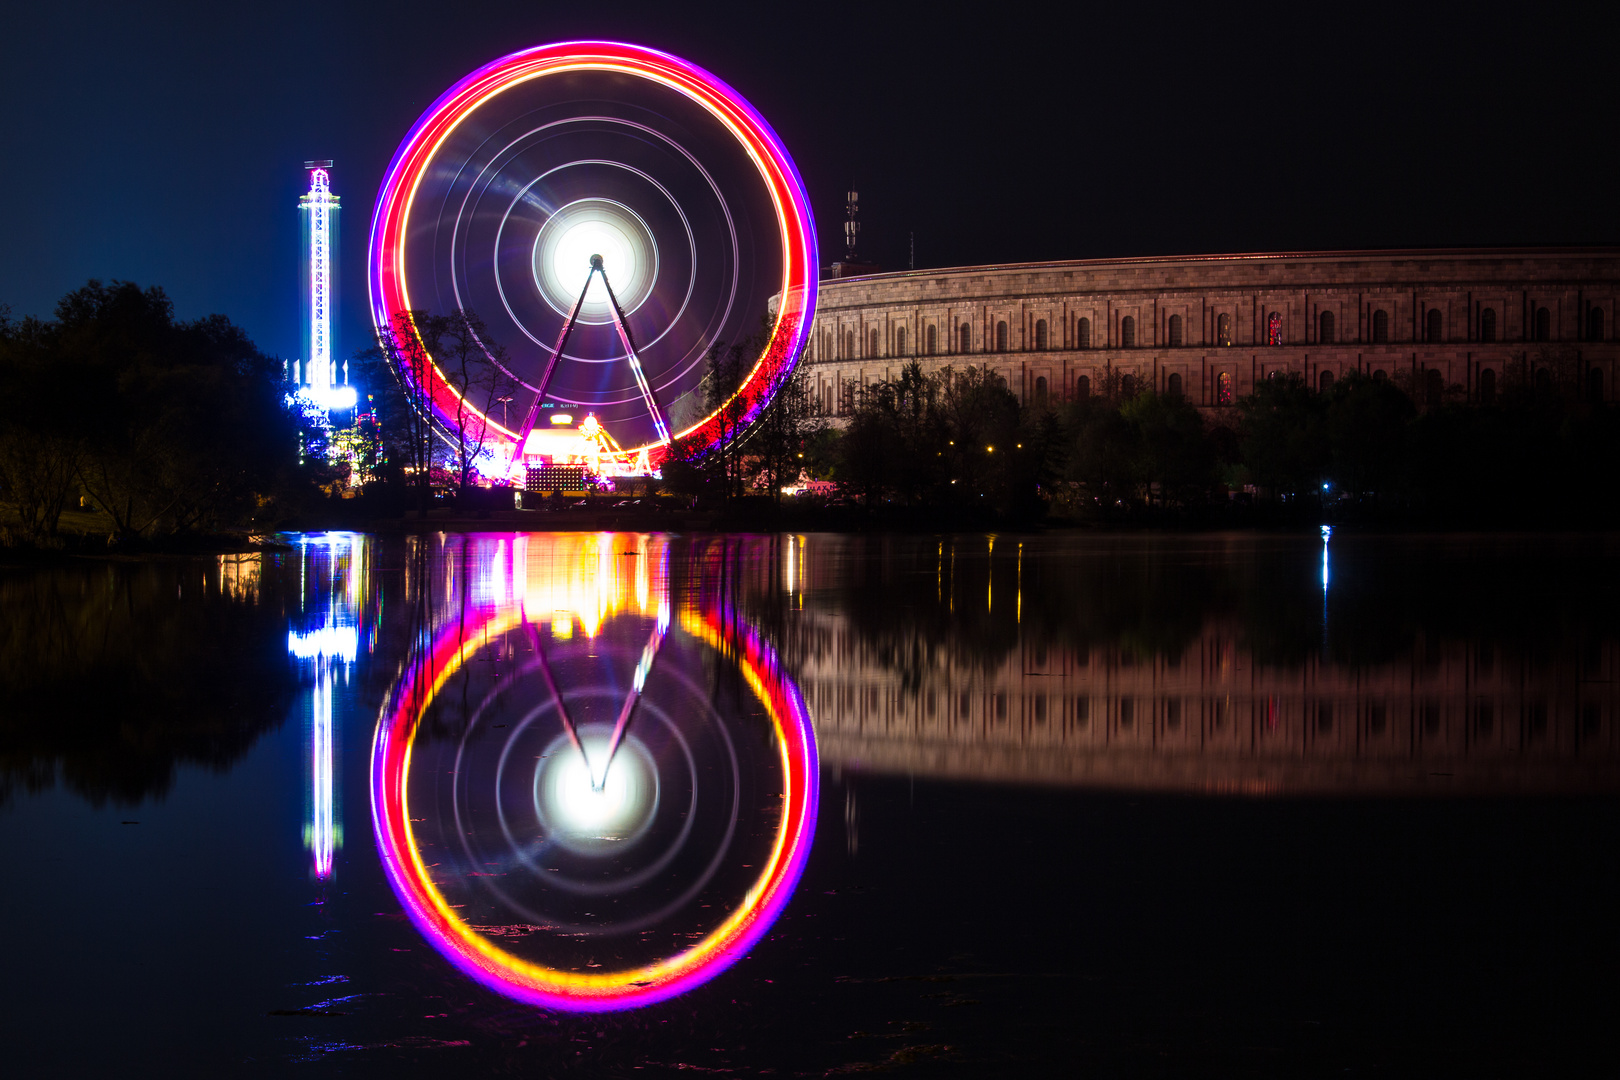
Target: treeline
<point x="164" y="426"/>
<point x="1544" y="450"/>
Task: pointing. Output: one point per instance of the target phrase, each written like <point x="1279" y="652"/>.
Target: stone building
<point x="1450" y="324"/>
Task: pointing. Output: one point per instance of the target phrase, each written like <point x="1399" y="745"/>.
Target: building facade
<point x="1450" y="324"/>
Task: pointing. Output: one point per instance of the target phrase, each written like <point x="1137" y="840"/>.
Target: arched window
<point x="1040" y="335"/>
<point x="1082" y="334"/>
<point x="1175" y="331"/>
<point x="1543" y="324"/>
<point x="1082" y="387"/>
<point x="1001" y="337"/>
<point x="967" y="338"/>
<point x="1543" y="379"/>
<point x="1040" y="390"/>
<point x="931" y="340"/>
<point x="1594" y="384"/>
<point x="900" y="341"/>
<point x="1594" y="324"/>
<point x="1380" y="375"/>
<point x="1324" y="381"/>
<point x="1487" y="324"/>
<point x="1127" y="386"/>
<point x="1172" y="385"/>
<point x="873" y="339"/>
<point x="1432" y="327"/>
<point x="1381" y="326"/>
<point x="1274" y="328"/>
<point x="1223" y="330"/>
<point x="849" y="345"/>
<point x="1127" y="332"/>
<point x="1487" y="387"/>
<point x="1434" y="387"/>
<point x="1223" y="387"/>
<point x="1324" y="328"/>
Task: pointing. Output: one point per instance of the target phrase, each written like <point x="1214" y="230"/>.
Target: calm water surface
<point x="606" y="804"/>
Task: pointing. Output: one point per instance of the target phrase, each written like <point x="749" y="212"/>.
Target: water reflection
<point x="591" y="789"/>
<point x="113" y="674"/>
<point x="334" y="583"/>
<point x="1420" y="665"/>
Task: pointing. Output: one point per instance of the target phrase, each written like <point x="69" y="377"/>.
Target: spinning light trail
<point x="583" y="813"/>
<point x="535" y="162"/>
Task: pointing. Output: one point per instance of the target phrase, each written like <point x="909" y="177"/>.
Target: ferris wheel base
<point x="567" y="456"/>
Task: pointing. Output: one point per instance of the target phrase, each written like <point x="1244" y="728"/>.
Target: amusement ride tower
<point x="318" y="209"/>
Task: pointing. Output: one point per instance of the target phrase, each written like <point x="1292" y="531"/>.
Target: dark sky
<point x="163" y="143"/>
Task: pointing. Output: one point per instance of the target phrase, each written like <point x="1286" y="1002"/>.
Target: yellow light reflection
<point x="589" y="576"/>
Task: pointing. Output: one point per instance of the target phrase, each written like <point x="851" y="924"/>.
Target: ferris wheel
<point x="611" y="213"/>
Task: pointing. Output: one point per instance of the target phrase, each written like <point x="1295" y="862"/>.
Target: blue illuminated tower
<point x="317" y="210"/>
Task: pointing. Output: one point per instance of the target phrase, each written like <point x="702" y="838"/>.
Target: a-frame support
<point x="659" y="424"/>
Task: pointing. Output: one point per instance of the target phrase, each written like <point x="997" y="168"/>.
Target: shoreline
<point x="25" y="558"/>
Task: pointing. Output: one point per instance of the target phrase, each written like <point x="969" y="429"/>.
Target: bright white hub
<point x="568" y="239"/>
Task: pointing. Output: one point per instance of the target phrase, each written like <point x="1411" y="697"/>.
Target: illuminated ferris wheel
<point x="610" y="212"/>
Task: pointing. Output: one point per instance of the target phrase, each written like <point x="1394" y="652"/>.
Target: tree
<point x="725" y="369"/>
<point x="478" y="371"/>
<point x="388" y="422"/>
<point x="1176" y="452"/>
<point x="982" y="423"/>
<point x="40" y="448"/>
<point x="1104" y="453"/>
<point x="1283" y="437"/>
<point x="1366" y="427"/>
<point x="871" y="445"/>
<point x="168" y="426"/>
<point x="947" y="439"/>
<point x="406" y="345"/>
<point x="793" y="417"/>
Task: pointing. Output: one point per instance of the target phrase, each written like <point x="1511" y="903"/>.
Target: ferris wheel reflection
<point x="592" y="788"/>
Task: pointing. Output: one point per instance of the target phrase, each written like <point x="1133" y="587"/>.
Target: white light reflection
<point x="1327" y="534"/>
<point x="327" y="643"/>
<point x="582" y="815"/>
<point x="322" y="818"/>
<point x="332" y="575"/>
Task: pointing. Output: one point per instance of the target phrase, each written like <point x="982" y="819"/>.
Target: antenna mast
<point x="852" y="223"/>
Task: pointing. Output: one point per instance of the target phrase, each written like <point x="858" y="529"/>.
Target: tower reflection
<point x="591" y="790"/>
<point x="333" y="584"/>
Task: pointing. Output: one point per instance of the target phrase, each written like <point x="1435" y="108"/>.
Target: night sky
<point x="163" y="143"/>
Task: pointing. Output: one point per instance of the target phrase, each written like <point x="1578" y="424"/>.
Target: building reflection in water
<point x="334" y="581"/>
<point x="593" y="786"/>
<point x="594" y="778"/>
<point x="1206" y="665"/>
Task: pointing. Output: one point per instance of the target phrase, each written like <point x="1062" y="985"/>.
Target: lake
<point x="607" y="804"/>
